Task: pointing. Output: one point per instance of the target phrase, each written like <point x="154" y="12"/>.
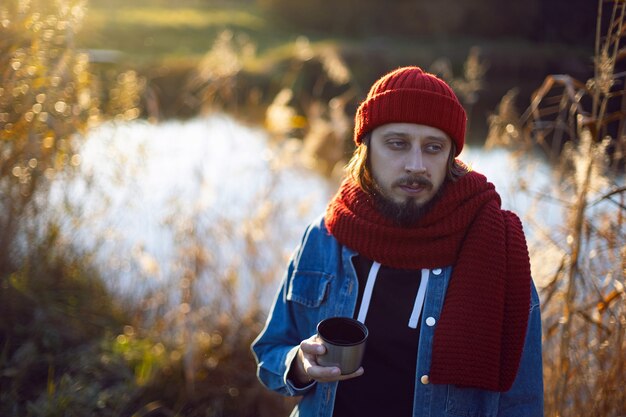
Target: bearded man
<point x="417" y="247"/>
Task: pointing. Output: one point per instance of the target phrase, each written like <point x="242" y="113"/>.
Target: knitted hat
<point x="410" y="95"/>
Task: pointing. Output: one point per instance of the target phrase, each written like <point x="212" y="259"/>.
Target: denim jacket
<point x="321" y="282"/>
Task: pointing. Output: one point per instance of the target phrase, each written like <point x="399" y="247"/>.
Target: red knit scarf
<point x="480" y="334"/>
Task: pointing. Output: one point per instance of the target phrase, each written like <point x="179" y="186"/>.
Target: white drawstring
<point x="419" y="300"/>
<point x="369" y="289"/>
<point x="367" y="293"/>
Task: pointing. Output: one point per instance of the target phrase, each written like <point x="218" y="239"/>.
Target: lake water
<point x="213" y="196"/>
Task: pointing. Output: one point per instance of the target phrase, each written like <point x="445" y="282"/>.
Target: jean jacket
<point x="321" y="282"/>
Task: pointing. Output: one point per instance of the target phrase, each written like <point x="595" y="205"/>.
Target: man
<point x="416" y="246"/>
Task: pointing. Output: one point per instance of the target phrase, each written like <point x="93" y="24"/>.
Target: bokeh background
<point x="159" y="161"/>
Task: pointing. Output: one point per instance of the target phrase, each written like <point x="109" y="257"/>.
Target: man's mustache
<point x="414" y="180"/>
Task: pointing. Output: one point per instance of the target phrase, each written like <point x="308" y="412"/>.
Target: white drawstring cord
<point x="369" y="289"/>
<point x="419" y="300"/>
<point x="367" y="293"/>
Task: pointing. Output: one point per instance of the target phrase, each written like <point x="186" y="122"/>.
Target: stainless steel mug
<point x="344" y="339"/>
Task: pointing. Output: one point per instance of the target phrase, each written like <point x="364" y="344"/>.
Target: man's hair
<point x="359" y="168"/>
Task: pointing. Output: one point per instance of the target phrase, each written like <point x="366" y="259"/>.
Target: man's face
<point x="409" y="162"/>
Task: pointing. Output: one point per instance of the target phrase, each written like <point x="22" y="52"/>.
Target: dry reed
<point x="579" y="125"/>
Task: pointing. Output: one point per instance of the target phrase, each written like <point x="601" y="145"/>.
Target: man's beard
<point x="407" y="212"/>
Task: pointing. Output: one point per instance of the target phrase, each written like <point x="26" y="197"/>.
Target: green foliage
<point x="53" y="313"/>
<point x="90" y="384"/>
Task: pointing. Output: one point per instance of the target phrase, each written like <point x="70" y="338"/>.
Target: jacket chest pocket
<point x="308" y="288"/>
<point x="471" y="402"/>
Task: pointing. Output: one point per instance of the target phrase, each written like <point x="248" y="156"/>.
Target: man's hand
<point x="305" y="368"/>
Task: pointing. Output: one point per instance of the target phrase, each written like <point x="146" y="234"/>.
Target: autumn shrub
<point x="48" y="96"/>
<point x="54" y="306"/>
<point x="68" y="345"/>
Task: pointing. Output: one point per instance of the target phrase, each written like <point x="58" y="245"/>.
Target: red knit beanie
<point x="410" y="95"/>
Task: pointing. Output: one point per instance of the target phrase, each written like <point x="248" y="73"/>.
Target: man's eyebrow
<point x="405" y="135"/>
<point x="394" y="133"/>
<point x="438" y="138"/>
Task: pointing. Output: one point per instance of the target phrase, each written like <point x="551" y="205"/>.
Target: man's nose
<point x="414" y="162"/>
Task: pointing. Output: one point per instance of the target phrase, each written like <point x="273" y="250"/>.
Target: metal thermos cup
<point x="344" y="339"/>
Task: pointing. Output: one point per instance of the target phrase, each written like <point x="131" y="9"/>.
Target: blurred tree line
<point x="570" y="21"/>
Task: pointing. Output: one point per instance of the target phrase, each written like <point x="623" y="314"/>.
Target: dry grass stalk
<point x="580" y="126"/>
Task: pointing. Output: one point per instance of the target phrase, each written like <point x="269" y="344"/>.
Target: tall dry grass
<point x="52" y="301"/>
<point x="49" y="95"/>
<point x="580" y="262"/>
<point x="175" y="353"/>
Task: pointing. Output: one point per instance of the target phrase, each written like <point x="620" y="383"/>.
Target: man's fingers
<point x="354" y="374"/>
<point x="331" y="373"/>
<point x="323" y="373"/>
<point x="310" y="347"/>
<point x="310" y="350"/>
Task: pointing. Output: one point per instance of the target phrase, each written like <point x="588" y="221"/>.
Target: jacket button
<point x="430" y="321"/>
<point x="424" y="379"/>
<point x="437" y="271"/>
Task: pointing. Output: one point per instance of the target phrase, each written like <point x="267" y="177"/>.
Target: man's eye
<point x="396" y="144"/>
<point x="434" y="148"/>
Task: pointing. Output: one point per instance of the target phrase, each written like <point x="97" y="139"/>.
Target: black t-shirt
<point x="387" y="386"/>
